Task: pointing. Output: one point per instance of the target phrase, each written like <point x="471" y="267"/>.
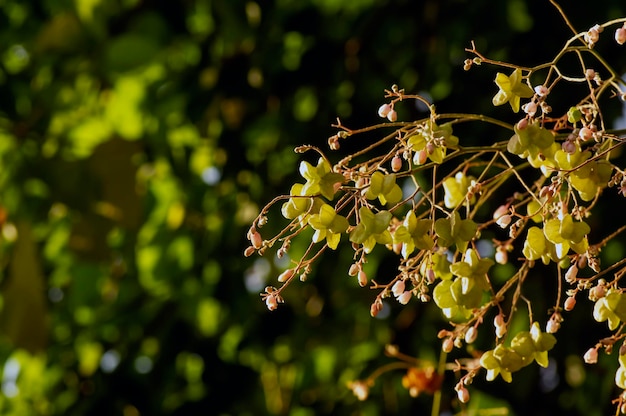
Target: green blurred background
<point x="138" y="140"/>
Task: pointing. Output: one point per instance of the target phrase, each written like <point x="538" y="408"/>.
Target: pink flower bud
<point x="463" y="395"/>
<point x="383" y="110"/>
<point x="500" y="211"/>
<point x="591" y="356"/>
<point x="420" y="157"/>
<point x="569" y="303"/>
<point x="471" y="334"/>
<point x="286" y="275"/>
<point x="571" y="274"/>
<point x="504" y="221"/>
<point x="256" y="239"/>
<point x="620" y="35"/>
<point x="541" y="90"/>
<point x="405" y="297"/>
<point x="569" y="147"/>
<point x="396" y="163"/>
<point x="362" y="278"/>
<point x="585" y="133"/>
<point x="392" y="115"/>
<point x="271" y="302"/>
<point x="590" y="74"/>
<point x="447" y="345"/>
<point x="398" y="288"/>
<point x="530" y="108"/>
<point x="522" y="124"/>
<point x="354" y="270"/>
<point x="249" y="251"/>
<point x="552" y="326"/>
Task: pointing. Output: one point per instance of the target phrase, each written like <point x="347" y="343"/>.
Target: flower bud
<point x="541" y="90"/>
<point x="383" y="110"/>
<point x="430" y="276"/>
<point x="522" y="124"/>
<point x="398" y="288"/>
<point x="256" y="239"/>
<point x="362" y="278"/>
<point x="392" y="115"/>
<point x="420" y="157"/>
<point x="447" y="345"/>
<point x="591" y="356"/>
<point x="463" y="395"/>
<point x="590" y="74"/>
<point x="471" y="334"/>
<point x="376" y="307"/>
<point x="249" y="251"/>
<point x="569" y="147"/>
<point x="620" y="35"/>
<point x="271" y="302"/>
<point x="552" y="326"/>
<point x="354" y="270"/>
<point x="530" y="108"/>
<point x="570" y="275"/>
<point x="286" y="275"/>
<point x="396" y="163"/>
<point x="502" y="257"/>
<point x="504" y="221"/>
<point x="569" y="303"/>
<point x="585" y="133"/>
<point x="405" y="297"/>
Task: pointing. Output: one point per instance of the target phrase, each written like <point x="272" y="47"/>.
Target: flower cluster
<point x="533" y="189"/>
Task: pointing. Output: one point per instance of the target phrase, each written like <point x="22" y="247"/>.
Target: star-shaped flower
<point x="511" y="89"/>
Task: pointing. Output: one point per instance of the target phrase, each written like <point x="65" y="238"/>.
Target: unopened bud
<point x="256" y="239"/>
<point x="591" y="356"/>
<point x="398" y="288"/>
<point x="384" y="109"/>
<point x="362" y="278"/>
<point x="396" y="163"/>
<point x="405" y="297"/>
<point x="471" y="334"/>
<point x="354" y="269"/>
<point x="569" y="303"/>
<point x="571" y="274"/>
<point x="502" y="257"/>
<point x="271" y="302"/>
<point x="620" y="35"/>
<point x="463" y="395"/>
<point x="392" y="115"/>
<point x="447" y="345"/>
<point x="286" y="275"/>
<point x="541" y="90"/>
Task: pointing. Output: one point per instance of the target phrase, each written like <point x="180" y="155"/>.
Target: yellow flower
<point x="511" y="90"/>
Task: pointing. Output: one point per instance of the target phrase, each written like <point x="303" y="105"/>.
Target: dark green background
<point x="138" y="140"/>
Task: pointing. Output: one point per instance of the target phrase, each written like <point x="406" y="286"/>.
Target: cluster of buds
<point x="500" y="325"/>
<point x="402" y="295"/>
<point x="386" y="110"/>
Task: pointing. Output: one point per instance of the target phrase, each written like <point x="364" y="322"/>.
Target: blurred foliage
<point x="138" y="140"/>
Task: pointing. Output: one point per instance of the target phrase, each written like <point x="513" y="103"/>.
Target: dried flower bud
<point x="384" y="110"/>
<point x="591" y="356"/>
